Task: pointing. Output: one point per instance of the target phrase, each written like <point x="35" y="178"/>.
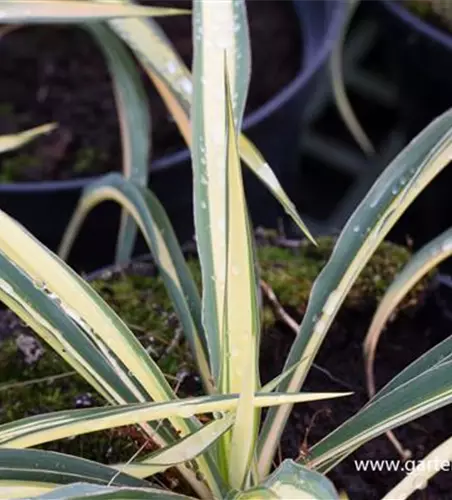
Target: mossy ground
<point x="28" y="162"/>
<point x="142" y="302"/>
<point x="422" y="8"/>
<point x="440" y="17"/>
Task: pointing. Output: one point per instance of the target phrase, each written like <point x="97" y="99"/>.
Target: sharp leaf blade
<point x="134" y="119"/>
<point x="74" y="11"/>
<point x="386" y="201"/>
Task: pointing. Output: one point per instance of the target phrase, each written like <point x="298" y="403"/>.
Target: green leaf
<point x="338" y="85"/>
<point x="42" y="312"/>
<point x="74" y="11"/>
<point x="101" y="328"/>
<point x="257" y="164"/>
<point x="38" y="429"/>
<point x="397" y="187"/>
<point x="173" y="80"/>
<point x="419" y="266"/>
<point x="209" y="156"/>
<point x="134" y="119"/>
<point x="46" y="467"/>
<point x="423" y="394"/>
<point x="13" y="141"/>
<point x="83" y="306"/>
<point x="441" y="353"/>
<point x="259" y="493"/>
<point x="155" y="226"/>
<point x="83" y="491"/>
<point x="184" y="450"/>
<point x="292" y="480"/>
<point x="242" y="315"/>
<point x="437" y="460"/>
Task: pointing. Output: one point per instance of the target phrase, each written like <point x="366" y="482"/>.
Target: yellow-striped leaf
<point x="153" y="222"/>
<point x="427" y="258"/>
<point x="184" y="450"/>
<point x="102" y="328"/>
<point x="47" y="469"/>
<point x="209" y="154"/>
<point x="437" y="460"/>
<point x="430" y="390"/>
<point x="292" y="480"/>
<point x="74" y="11"/>
<point x="13" y="141"/>
<point x="86" y="491"/>
<point x="39" y="429"/>
<point x="134" y="120"/>
<point x="240" y="368"/>
<point x="173" y="81"/>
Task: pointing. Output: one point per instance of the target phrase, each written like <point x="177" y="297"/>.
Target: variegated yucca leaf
<point x="184" y="450"/>
<point x="38" y="471"/>
<point x="99" y="328"/>
<point x="38" y="429"/>
<point x="153" y="222"/>
<point x="174" y="83"/>
<point x="134" y="120"/>
<point x="439" y="356"/>
<point x="438" y="459"/>
<point x="13" y="141"/>
<point x="402" y="181"/>
<point x="430" y="390"/>
<point x="221" y="67"/>
<point x="242" y="313"/>
<point x="290" y="480"/>
<point x="209" y="158"/>
<point x="74" y="11"/>
<point x="427" y="258"/>
<point x="338" y="84"/>
<point x="86" y="491"/>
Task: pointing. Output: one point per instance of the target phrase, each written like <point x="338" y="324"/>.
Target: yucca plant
<point x="231" y="455"/>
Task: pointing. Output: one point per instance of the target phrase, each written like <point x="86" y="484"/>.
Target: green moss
<point x="422" y="8"/>
<point x="19" y="401"/>
<point x="291" y="273"/>
<point x="143" y="304"/>
<point x="436" y="12"/>
<point x="13" y="168"/>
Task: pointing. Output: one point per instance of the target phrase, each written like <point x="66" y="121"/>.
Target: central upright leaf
<point x="219" y="28"/>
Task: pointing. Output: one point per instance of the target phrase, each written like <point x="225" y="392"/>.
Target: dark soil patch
<point x="409" y="336"/>
<point x="419" y="325"/>
<point x="58" y="74"/>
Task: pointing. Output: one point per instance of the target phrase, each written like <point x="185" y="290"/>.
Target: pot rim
<point x="314" y="57"/>
<point x="427" y="29"/>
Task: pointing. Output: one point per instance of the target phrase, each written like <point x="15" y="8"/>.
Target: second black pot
<point x="423" y="54"/>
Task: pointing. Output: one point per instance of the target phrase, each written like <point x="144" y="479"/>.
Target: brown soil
<point x="58" y="74"/>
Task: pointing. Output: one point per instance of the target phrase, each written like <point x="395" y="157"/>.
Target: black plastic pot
<point x="424" y="54"/>
<point x="45" y="207"/>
